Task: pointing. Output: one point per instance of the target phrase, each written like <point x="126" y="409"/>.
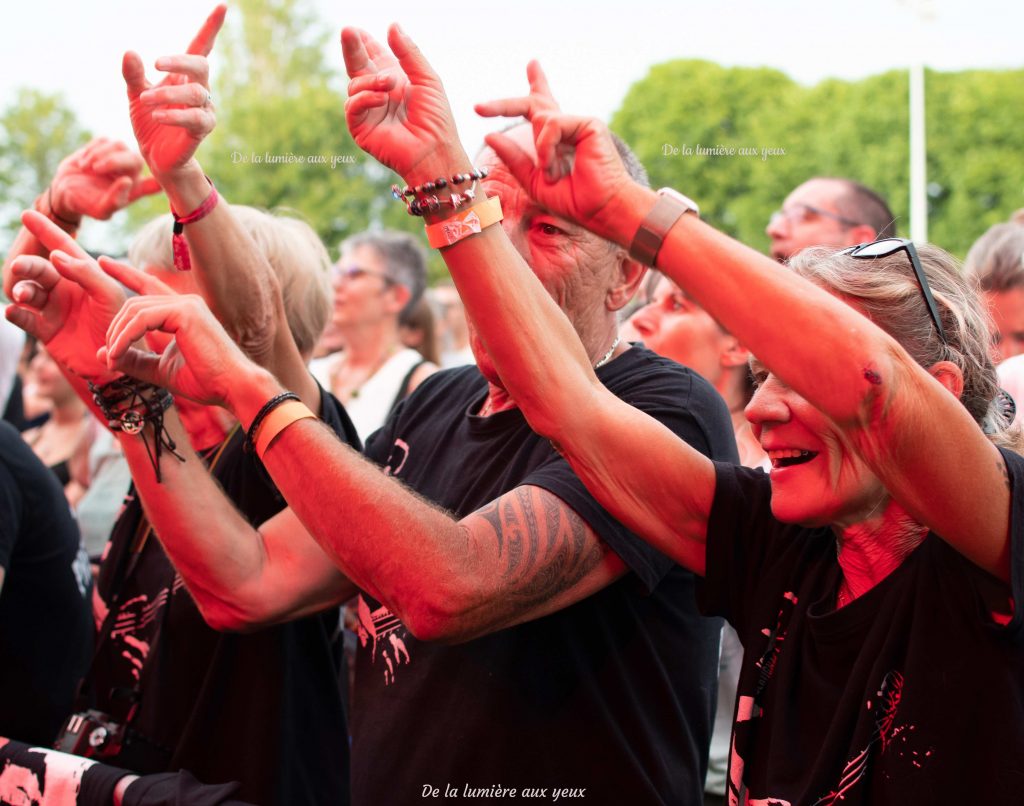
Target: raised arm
<point x="397" y="111"/>
<point x="170" y="120"/>
<point x="901" y="418"/>
<point x="525" y="555"/>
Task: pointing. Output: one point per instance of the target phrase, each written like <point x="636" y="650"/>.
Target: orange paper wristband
<point x="277" y="421"/>
<point x="464" y="223"/>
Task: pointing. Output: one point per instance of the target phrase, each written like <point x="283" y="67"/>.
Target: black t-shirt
<point x="912" y="693"/>
<point x="261" y="708"/>
<point x="45" y="631"/>
<point x="613" y="695"/>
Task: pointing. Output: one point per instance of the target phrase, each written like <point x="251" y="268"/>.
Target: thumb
<point x="134" y="74"/>
<point x="136" y="363"/>
<point x="144" y="187"/>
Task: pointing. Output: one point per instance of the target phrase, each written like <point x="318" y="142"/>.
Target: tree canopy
<point x="739" y="139"/>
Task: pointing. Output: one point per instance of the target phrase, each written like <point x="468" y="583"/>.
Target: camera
<point x="90" y="734"/>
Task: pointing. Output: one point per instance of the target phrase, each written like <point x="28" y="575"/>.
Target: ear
<point x="734" y="354"/>
<point x="949" y="375"/>
<point x="862" y="233"/>
<point x="628" y="276"/>
<point x="398" y="297"/>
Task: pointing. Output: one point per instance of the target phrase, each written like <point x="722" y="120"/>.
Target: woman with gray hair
<point x="380" y="275"/>
<point x="874" y="576"/>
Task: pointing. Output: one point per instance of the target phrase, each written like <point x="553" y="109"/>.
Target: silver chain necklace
<point x="608" y="356"/>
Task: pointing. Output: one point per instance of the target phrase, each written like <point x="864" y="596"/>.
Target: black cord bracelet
<point x="261" y="415"/>
<point x="129" y="405"/>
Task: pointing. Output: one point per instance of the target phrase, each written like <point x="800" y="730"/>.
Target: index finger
<point x="49" y="234"/>
<point x="134" y="279"/>
<point x="202" y="43"/>
<point x="539" y="83"/>
<point x="353" y="49"/>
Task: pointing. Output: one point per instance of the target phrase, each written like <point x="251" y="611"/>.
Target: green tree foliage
<point x="835" y="128"/>
<point x="37" y="130"/>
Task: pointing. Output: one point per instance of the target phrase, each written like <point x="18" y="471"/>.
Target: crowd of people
<point x="757" y="542"/>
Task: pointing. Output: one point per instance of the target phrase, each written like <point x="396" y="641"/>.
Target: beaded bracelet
<point x="421" y="203"/>
<point x="129" y="405"/>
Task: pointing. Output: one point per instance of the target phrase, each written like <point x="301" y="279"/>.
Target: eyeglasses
<point x="799" y="213"/>
<point x="354" y="272"/>
<point x="889" y="246"/>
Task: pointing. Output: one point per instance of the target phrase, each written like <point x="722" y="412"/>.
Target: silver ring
<point x="209" y="99"/>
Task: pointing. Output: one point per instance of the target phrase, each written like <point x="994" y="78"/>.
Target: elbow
<point x="431" y="624"/>
<point x="231" y="617"/>
<point x="440" y="620"/>
<point x="555" y="413"/>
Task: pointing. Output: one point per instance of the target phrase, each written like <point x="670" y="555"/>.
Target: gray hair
<point x="294" y="251"/>
<point x="887" y="291"/>
<point x="996" y="260"/>
<point x="405" y="261"/>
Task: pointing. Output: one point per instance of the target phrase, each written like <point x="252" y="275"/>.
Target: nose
<point x="645" y="320"/>
<point x="768" y="405"/>
<point x="778" y="226"/>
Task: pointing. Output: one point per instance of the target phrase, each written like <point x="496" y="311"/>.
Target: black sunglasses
<point x="889" y="246"/>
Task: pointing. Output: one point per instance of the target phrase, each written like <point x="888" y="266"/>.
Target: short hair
<point x="996" y="260"/>
<point x="295" y="253"/>
<point x="860" y="203"/>
<point x="405" y="261"/>
<point x="631" y="161"/>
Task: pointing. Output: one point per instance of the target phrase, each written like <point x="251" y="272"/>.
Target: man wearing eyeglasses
<point x="828" y="211"/>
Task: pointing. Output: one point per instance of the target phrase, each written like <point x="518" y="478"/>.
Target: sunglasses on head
<point x="889" y="246"/>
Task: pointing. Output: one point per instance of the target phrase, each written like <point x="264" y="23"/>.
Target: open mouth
<point x="789" y="458"/>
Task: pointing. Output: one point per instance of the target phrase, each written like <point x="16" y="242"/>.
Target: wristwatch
<point x="648" y="239"/>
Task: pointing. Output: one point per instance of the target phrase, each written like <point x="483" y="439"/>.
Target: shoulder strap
<point x="403" y="389"/>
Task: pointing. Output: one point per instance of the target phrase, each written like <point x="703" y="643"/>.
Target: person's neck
<point x="750" y="450"/>
<point x="369" y="345"/>
<point x="872" y="549"/>
<point x="731" y="387"/>
<point x="498" y="399"/>
<point x="605" y="345"/>
<point x="601" y="352"/>
<point x="67" y="412"/>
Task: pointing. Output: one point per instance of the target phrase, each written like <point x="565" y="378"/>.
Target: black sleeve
<point x="10" y="514"/>
<point x="1015" y="469"/>
<point x="179" y="789"/>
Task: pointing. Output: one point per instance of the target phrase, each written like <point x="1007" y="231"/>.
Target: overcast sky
<point x="592" y="51"/>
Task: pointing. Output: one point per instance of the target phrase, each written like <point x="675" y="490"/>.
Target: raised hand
<point x="397" y="110"/>
<point x="66" y="302"/>
<point x="171" y="119"/>
<point x="97" y="180"/>
<point x="201" y="363"/>
<point x="577" y="172"/>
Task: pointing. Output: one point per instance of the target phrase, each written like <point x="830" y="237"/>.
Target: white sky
<point x="592" y="51"/>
